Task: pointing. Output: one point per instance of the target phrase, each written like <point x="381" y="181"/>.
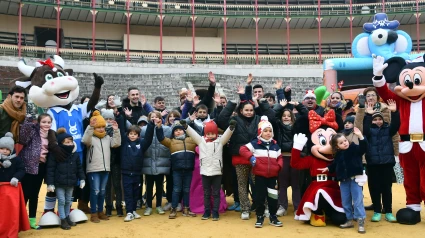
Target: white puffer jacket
<point x="210" y="153"/>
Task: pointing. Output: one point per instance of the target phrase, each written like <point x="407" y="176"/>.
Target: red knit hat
<point x="210" y="127"/>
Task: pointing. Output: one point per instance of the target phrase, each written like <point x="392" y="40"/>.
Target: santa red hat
<point x="210" y="127"/>
<point x="263" y="124"/>
<point x="309" y="93"/>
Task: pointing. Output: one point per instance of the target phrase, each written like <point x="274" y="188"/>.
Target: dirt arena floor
<point x="230" y="225"/>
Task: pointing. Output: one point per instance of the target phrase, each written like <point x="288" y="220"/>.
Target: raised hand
<point x="98" y="80"/>
<point x="217" y="99"/>
<point x="196" y="101"/>
<point x="128" y="112"/>
<point x="283" y="102"/>
<point x="157" y="122"/>
<point x="288" y="88"/>
<point x="211" y="78"/>
<point x="232" y="124"/>
<point x="117" y="101"/>
<point x="189" y="96"/>
<point x="378" y="65"/>
<point x="142" y="99"/>
<point x="249" y="79"/>
<point x="184" y="124"/>
<point x="241" y="89"/>
<point x="278" y="84"/>
<point x="362" y="101"/>
<point x="392" y="105"/>
<point x="299" y="141"/>
<point x="255" y="98"/>
<point x="295" y="103"/>
<point x="93" y="122"/>
<point x="369" y="108"/>
<point x="165" y="112"/>
<point x="193" y="116"/>
<point x="114" y="125"/>
<point x="357" y="132"/>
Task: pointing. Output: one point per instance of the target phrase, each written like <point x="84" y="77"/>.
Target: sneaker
<point x="234" y="206"/>
<point x="274" y="221"/>
<point x="347" y="224"/>
<point x="129" y="217"/>
<point x="361" y="228"/>
<point x="136" y="216"/>
<point x="173" y="213"/>
<point x="281" y="211"/>
<point x="179" y="207"/>
<point x="206" y="215"/>
<point x="215" y="216"/>
<point x="376" y="217"/>
<point x="245" y="216"/>
<point x="260" y="221"/>
<point x="390" y="217"/>
<point x="167" y="206"/>
<point x="160" y="211"/>
<point x="148" y="211"/>
<point x="188" y="213"/>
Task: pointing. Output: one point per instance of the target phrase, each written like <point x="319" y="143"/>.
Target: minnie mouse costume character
<point x="323" y="195"/>
<point x="408" y="94"/>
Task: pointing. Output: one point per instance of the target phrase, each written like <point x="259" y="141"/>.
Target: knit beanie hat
<point x="7" y="142"/>
<point x="377" y="114"/>
<point x="100" y="122"/>
<point x="210" y="127"/>
<point x="310" y="94"/>
<point x="349" y="119"/>
<point x="108" y="113"/>
<point x="61" y="135"/>
<point x="176" y="126"/>
<point x="142" y="118"/>
<point x="264" y="123"/>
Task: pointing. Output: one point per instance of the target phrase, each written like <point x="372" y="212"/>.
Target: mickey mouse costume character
<point x="408" y="94"/>
<point x="323" y="195"/>
<point x="53" y="87"/>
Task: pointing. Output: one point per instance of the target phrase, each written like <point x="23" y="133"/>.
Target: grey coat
<point x="157" y="157"/>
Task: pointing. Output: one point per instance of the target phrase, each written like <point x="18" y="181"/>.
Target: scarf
<point x="99" y="135"/>
<point x="182" y="137"/>
<point x="266" y="142"/>
<point x="18" y="116"/>
<point x="44" y="145"/>
<point x="67" y="148"/>
<point x="347" y="131"/>
<point x="5" y="159"/>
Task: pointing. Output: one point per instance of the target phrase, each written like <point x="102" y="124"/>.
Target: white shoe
<point x="148" y="211"/>
<point x="136" y="216"/>
<point x="179" y="207"/>
<point x="281" y="211"/>
<point x="129" y="217"/>
<point x="167" y="206"/>
<point x="245" y="216"/>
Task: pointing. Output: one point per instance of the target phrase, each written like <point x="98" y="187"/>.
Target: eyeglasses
<point x="370" y="95"/>
<point x="309" y="98"/>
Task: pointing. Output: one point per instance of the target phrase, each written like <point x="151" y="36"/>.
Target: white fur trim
<point x="405" y="147"/>
<point x="415" y="118"/>
<point x="308" y="206"/>
<point x="415" y="207"/>
<point x="380" y="82"/>
<point x="263" y="153"/>
<point x="310" y="93"/>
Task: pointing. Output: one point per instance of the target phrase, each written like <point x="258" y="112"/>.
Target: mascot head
<point x="409" y="77"/>
<point x="49" y="83"/>
<point x="319" y="131"/>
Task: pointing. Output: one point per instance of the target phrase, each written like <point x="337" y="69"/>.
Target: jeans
<point x="31" y="184"/>
<point x="261" y="186"/>
<point x="132" y="187"/>
<point x="98" y="181"/>
<point x="352" y="198"/>
<point x="159" y="183"/>
<point x="64" y="196"/>
<point x="214" y="183"/>
<point x="181" y="180"/>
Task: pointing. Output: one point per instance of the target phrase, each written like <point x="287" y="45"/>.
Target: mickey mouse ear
<point x="395" y="64"/>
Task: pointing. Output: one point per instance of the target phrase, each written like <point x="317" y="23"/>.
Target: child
<point x="211" y="157"/>
<point x="99" y="146"/>
<point x="182" y="150"/>
<point x="11" y="167"/>
<point x="349" y="171"/>
<point x="173" y="116"/>
<point x="380" y="159"/>
<point x="62" y="176"/>
<point x="267" y="152"/>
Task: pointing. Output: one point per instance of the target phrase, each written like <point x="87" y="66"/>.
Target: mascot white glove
<point x="14" y="182"/>
<point x="361" y="179"/>
<point x="51" y="188"/>
<point x="378" y="65"/>
<point x="299" y="141"/>
<point x="82" y="184"/>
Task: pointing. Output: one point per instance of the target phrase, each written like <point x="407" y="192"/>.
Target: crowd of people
<point x="203" y="152"/>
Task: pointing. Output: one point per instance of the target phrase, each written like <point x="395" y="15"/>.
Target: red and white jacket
<point x="269" y="160"/>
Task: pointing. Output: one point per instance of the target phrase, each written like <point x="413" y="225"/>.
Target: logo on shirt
<point x="138" y="147"/>
<point x="73" y="129"/>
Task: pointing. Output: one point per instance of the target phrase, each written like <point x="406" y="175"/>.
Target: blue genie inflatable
<point x="380" y="38"/>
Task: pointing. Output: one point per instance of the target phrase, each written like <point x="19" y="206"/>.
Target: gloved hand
<point x="14" y="182"/>
<point x="253" y="160"/>
<point x="98" y="80"/>
<point x="51" y="188"/>
<point x="82" y="184"/>
<point x="361" y="179"/>
<point x="362" y="101"/>
<point x="184" y="124"/>
<point x="378" y="65"/>
<point x="299" y="141"/>
<point x="117" y="101"/>
<point x="101" y="104"/>
<point x="232" y="124"/>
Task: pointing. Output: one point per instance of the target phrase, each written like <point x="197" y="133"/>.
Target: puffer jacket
<point x="66" y="173"/>
<point x="16" y="170"/>
<point x="182" y="151"/>
<point x="99" y="150"/>
<point x="210" y="153"/>
<point x="269" y="161"/>
<point x="157" y="156"/>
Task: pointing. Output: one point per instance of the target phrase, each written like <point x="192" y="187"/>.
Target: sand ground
<point x="230" y="225"/>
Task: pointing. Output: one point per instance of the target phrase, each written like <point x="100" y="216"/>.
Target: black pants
<point x="31" y="185"/>
<point x="159" y="185"/>
<point x="380" y="186"/>
<point x="324" y="207"/>
<point x="132" y="188"/>
<point x="114" y="181"/>
<point x="261" y="194"/>
<point x="141" y="187"/>
<point x="169" y="186"/>
<point x="214" y="183"/>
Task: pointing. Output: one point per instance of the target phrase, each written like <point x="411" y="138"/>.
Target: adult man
<point x="135" y="105"/>
<point x="159" y="105"/>
<point x="12" y="112"/>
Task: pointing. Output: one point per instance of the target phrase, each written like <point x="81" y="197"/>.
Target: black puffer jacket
<point x="64" y="173"/>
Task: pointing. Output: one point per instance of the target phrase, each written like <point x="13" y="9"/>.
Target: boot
<point x="361" y="222"/>
<point x="33" y="223"/>
<point x="94" y="218"/>
<point x="71" y="223"/>
<point x="188" y="213"/>
<point x="102" y="216"/>
<point x="108" y="209"/>
<point x="317" y="220"/>
<point x="173" y="213"/>
<point x="84" y="206"/>
<point x="120" y="212"/>
<point x="64" y="224"/>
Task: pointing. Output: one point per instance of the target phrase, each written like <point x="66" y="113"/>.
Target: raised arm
<point x="224" y="117"/>
<point x="195" y="136"/>
<point x="26" y="131"/>
<point x="88" y="135"/>
<point x="161" y="138"/>
<point x="98" y="81"/>
<point x="148" y="138"/>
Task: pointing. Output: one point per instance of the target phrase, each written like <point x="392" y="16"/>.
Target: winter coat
<point x="381" y="150"/>
<point x="269" y="161"/>
<point x="66" y="173"/>
<point x="99" y="150"/>
<point x="348" y="163"/>
<point x="16" y="169"/>
<point x="132" y="152"/>
<point x="210" y="153"/>
<point x="31" y="140"/>
<point x="137" y="111"/>
<point x="182" y="151"/>
<point x="157" y="156"/>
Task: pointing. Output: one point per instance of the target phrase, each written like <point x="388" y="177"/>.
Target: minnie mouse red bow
<point x="317" y="121"/>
